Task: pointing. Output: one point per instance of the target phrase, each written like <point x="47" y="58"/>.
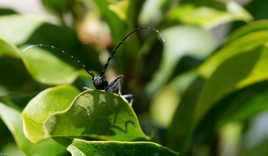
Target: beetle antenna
<point x="123" y="40"/>
<point x="76" y="60"/>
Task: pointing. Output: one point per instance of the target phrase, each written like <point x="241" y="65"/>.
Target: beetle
<point x="99" y="81"/>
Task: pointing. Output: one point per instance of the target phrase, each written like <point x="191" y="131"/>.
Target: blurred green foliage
<point x="200" y="86"/>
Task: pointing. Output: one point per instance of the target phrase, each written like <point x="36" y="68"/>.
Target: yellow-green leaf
<point x="117" y="148"/>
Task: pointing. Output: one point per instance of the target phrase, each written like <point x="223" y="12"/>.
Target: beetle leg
<point x="129" y="98"/>
<point x="116" y="84"/>
<point x="112" y="87"/>
<point x="86" y="88"/>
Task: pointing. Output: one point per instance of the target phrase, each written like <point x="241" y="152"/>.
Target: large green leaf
<point x="237" y="72"/>
<point x="96" y="114"/>
<point x="243" y="41"/>
<point x="14" y="78"/>
<point x="180" y="41"/>
<point x="12" y="119"/>
<point x="117" y="148"/>
<point x="208" y="16"/>
<point x="42" y="106"/>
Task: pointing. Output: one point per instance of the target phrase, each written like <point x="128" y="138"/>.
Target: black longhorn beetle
<point x="99" y="81"/>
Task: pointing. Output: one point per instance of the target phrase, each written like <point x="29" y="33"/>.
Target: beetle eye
<point x="100" y="82"/>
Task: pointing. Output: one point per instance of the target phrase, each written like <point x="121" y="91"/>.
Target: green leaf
<point x="247" y="29"/>
<point x="8" y="49"/>
<point x="180" y="41"/>
<point x="27" y="30"/>
<point x="47" y="65"/>
<point x="46" y="103"/>
<point x="241" y="45"/>
<point x="47" y="68"/>
<point x="120" y="9"/>
<point x="14" y="78"/>
<point x="12" y="119"/>
<point x="96" y="114"/>
<point x="117" y="148"/>
<point x="244" y="42"/>
<point x="243" y="69"/>
<point x="207" y="16"/>
<point x="16" y="28"/>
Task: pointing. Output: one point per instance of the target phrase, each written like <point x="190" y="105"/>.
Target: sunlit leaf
<point x="104" y="148"/>
<point x="27" y="30"/>
<point x="120" y="8"/>
<point x="242" y="50"/>
<point x="247" y="29"/>
<point x="47" y="65"/>
<point x="47" y="68"/>
<point x="96" y="114"/>
<point x="46" y="103"/>
<point x="12" y="119"/>
<point x="207" y="16"/>
<point x="241" y="45"/>
<point x="234" y="73"/>
<point x="17" y="28"/>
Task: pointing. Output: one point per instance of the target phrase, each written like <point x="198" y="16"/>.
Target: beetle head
<point x="99" y="82"/>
